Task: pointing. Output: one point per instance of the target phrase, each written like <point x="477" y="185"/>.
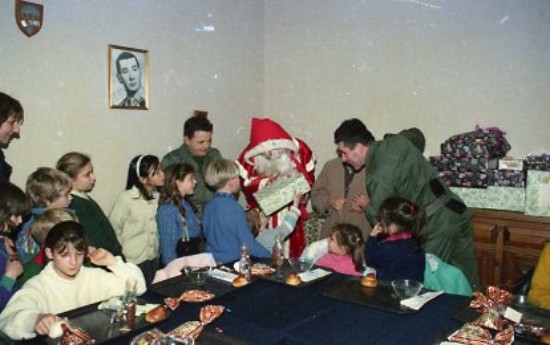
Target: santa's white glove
<point x="315" y="250"/>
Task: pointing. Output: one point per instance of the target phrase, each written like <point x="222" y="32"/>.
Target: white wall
<point x="61" y="78"/>
<point x="442" y="66"/>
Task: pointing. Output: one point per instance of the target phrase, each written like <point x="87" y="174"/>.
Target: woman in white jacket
<point x="65" y="284"/>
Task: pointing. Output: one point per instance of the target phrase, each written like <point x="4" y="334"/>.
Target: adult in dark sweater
<point x="11" y="119"/>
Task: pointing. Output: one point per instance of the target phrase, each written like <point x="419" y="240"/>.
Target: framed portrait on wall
<point x="128" y="78"/>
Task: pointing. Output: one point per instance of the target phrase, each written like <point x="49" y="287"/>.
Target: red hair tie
<point x="411" y="208"/>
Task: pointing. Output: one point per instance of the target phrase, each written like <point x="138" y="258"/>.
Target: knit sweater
<point x="48" y="292"/>
<point x="7" y="284"/>
<point x="171" y="228"/>
<point x="133" y="219"/>
<point x="539" y="292"/>
<point x="226" y="230"/>
<point x="99" y="231"/>
<point x="395" y="259"/>
<point x="268" y="237"/>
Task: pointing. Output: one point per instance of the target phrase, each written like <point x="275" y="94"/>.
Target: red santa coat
<point x="266" y="135"/>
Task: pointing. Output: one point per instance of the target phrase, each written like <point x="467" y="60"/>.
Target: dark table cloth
<point x="267" y="313"/>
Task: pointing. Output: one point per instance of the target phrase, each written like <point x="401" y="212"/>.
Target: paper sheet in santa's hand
<point x="280" y="193"/>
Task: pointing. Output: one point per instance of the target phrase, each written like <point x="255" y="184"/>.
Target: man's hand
<point x="359" y="202"/>
<point x="337" y="203"/>
<point x="101" y="257"/>
<point x="44" y="322"/>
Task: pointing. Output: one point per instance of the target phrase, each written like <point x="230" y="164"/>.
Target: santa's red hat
<point x="267" y="135"/>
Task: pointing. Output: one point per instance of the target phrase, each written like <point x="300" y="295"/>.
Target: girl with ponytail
<point x="178" y="226"/>
<point x="394" y="248"/>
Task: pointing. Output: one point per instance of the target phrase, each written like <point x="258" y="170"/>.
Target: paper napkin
<point x="418" y="301"/>
<point x="313" y="274"/>
<point x="223" y="275"/>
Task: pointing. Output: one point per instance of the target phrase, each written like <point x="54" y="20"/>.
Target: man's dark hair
<point x="196" y="123"/>
<point x="9" y="106"/>
<point x="352" y="132"/>
<point x="125" y="56"/>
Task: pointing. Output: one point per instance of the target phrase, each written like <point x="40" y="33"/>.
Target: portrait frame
<point x="126" y="91"/>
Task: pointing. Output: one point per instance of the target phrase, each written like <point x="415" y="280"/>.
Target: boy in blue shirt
<point x="224" y="220"/>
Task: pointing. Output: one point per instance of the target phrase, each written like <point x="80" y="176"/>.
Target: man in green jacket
<point x="395" y="167"/>
<point x="198" y="152"/>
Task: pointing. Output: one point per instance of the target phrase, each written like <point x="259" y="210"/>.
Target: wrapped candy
<point x="494" y="299"/>
<point x="210" y="313"/>
<point x="490" y="319"/>
<point x="471" y="334"/>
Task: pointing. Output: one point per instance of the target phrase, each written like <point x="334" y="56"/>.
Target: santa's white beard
<point x="281" y="165"/>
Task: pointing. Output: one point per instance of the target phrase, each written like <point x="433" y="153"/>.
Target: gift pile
<point x="491" y="308"/>
<point x="469" y="159"/>
<point x="475" y="166"/>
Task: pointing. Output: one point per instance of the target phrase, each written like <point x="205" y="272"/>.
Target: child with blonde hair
<point x="46" y="188"/>
<point x="224" y="220"/>
<point x="99" y="230"/>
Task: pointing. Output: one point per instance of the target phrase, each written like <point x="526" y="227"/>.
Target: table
<point x="267" y="313"/>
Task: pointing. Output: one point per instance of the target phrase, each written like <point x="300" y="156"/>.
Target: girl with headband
<point x="133" y="214"/>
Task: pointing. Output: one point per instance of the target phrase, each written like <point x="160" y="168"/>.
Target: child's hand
<point x="101" y="257"/>
<point x="296" y="199"/>
<point x="263" y="222"/>
<point x="378" y="229"/>
<point x="14" y="268"/>
<point x="44" y="322"/>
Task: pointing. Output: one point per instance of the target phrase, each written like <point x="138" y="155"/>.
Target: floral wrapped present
<point x="538" y="162"/>
<point x="538" y="193"/>
<point x="489" y="142"/>
<point x="280" y="193"/>
<point x="509" y="178"/>
<point x="494" y="198"/>
<point x="471" y="179"/>
<point x="463" y="164"/>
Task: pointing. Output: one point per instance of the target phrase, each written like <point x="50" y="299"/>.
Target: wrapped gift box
<point x="538" y="162"/>
<point x="477" y="179"/>
<point x="490" y="142"/>
<point x="495" y="198"/>
<point x="509" y="178"/>
<point x="463" y="164"/>
<point x="280" y="193"/>
<point x="538" y="193"/>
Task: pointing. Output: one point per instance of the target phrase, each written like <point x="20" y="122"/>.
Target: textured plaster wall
<point x="204" y="54"/>
<point x="441" y="65"/>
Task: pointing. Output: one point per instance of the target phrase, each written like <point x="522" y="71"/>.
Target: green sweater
<point x="203" y="193"/>
<point x="99" y="230"/>
<point x="395" y="167"/>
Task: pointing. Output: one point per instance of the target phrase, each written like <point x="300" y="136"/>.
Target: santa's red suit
<point x="267" y="135"/>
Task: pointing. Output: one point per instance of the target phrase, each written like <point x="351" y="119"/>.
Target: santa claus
<point x="271" y="154"/>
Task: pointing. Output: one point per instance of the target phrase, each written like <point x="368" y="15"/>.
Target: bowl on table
<point x="301" y="264"/>
<point x="406" y="288"/>
<point x="197" y="275"/>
